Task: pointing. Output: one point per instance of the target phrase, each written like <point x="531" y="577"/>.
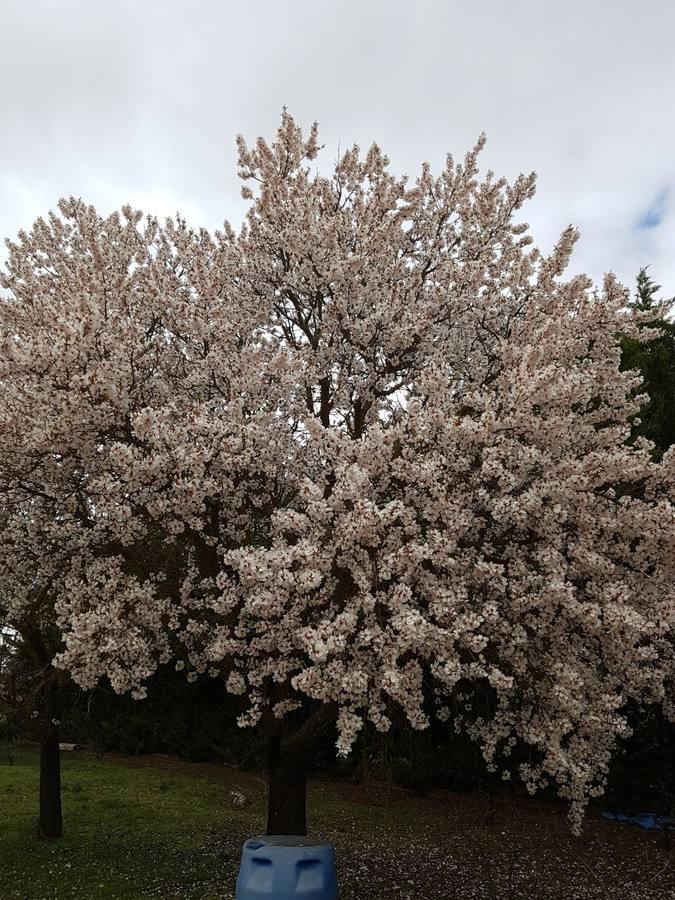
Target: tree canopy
<point x="362" y="454"/>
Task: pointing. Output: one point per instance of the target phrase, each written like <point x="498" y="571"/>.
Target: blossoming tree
<point x="372" y="452"/>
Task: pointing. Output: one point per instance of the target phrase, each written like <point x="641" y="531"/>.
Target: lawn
<point x="158" y="827"/>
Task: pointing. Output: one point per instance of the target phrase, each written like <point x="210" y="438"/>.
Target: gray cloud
<point x="136" y="102"/>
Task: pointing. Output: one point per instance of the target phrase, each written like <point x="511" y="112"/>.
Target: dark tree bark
<point x="50" y="824"/>
<point x="41" y="642"/>
<point x="289" y="761"/>
<point x="287" y="797"/>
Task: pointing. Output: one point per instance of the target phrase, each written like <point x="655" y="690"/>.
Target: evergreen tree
<point x="655" y="358"/>
<point x="645" y="295"/>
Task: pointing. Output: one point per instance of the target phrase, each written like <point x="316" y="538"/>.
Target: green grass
<point x="128" y="832"/>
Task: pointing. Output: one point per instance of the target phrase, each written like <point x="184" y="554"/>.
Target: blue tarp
<point x="650" y="821"/>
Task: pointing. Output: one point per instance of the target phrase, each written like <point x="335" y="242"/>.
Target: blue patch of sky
<point x="654" y="213"/>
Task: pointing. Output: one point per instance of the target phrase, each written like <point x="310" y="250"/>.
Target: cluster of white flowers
<point x="361" y="453"/>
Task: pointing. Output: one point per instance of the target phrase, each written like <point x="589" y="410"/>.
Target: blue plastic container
<point x="283" y="867"/>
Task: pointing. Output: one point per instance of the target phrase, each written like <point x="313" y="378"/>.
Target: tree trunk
<point x="287" y="798"/>
<point x="50" y="824"/>
<point x="289" y="760"/>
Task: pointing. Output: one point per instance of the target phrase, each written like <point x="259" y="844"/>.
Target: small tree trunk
<point x="50" y="823"/>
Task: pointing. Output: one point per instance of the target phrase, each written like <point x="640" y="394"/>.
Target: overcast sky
<point x="140" y="102"/>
